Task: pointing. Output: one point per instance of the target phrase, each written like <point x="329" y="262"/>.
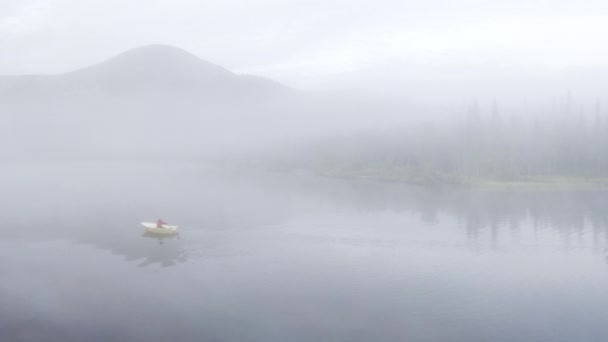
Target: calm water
<point x="292" y="258"/>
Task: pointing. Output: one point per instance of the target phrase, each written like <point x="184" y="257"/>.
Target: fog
<point x="327" y="171"/>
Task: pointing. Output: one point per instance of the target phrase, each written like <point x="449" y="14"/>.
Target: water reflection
<point x="147" y="250"/>
<point x="568" y="220"/>
<point x="301" y="259"/>
<point x="159" y="238"/>
<point x="192" y="245"/>
<point x="575" y="219"/>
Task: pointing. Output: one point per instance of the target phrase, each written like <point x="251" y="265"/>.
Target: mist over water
<point x="326" y="171"/>
<point x="274" y="256"/>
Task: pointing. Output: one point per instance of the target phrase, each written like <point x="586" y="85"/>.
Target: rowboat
<point x="152" y="228"/>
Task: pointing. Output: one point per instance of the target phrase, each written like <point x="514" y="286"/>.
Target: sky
<point x="312" y="43"/>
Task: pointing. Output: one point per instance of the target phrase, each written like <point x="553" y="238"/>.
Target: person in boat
<point x="160" y="223"/>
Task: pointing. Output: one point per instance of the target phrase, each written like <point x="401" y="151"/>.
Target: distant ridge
<point x="148" y="68"/>
<point x="158" y="59"/>
<point x="158" y="101"/>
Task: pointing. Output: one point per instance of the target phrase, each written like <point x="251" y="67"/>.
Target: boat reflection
<point x="160" y="237"/>
<point x="166" y="251"/>
<point x="165" y="254"/>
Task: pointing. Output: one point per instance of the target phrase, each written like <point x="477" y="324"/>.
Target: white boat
<point x="162" y="230"/>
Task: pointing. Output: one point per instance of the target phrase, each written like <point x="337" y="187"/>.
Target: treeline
<point x="480" y="145"/>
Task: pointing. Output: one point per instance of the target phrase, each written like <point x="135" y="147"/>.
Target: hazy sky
<point x="303" y="42"/>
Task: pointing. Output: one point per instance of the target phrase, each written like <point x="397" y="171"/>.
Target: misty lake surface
<point x="292" y="257"/>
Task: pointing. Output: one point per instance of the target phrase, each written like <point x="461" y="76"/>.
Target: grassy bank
<point x="428" y="177"/>
<point x="543" y="183"/>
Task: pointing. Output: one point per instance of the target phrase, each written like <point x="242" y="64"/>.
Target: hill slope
<point x="120" y="105"/>
<point x="151" y="68"/>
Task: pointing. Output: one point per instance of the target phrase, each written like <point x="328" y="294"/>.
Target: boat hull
<point x="153" y="229"/>
<point x="160" y="231"/>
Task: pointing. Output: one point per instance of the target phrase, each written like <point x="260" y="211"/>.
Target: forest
<point x="555" y="145"/>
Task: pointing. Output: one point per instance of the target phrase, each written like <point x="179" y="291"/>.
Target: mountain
<point x="123" y="105"/>
<point x="159" y="61"/>
<point x="153" y="68"/>
<point x="160" y="101"/>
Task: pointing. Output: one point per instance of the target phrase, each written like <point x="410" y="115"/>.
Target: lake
<point x="292" y="257"/>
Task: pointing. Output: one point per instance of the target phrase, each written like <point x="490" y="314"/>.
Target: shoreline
<point x="544" y="183"/>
